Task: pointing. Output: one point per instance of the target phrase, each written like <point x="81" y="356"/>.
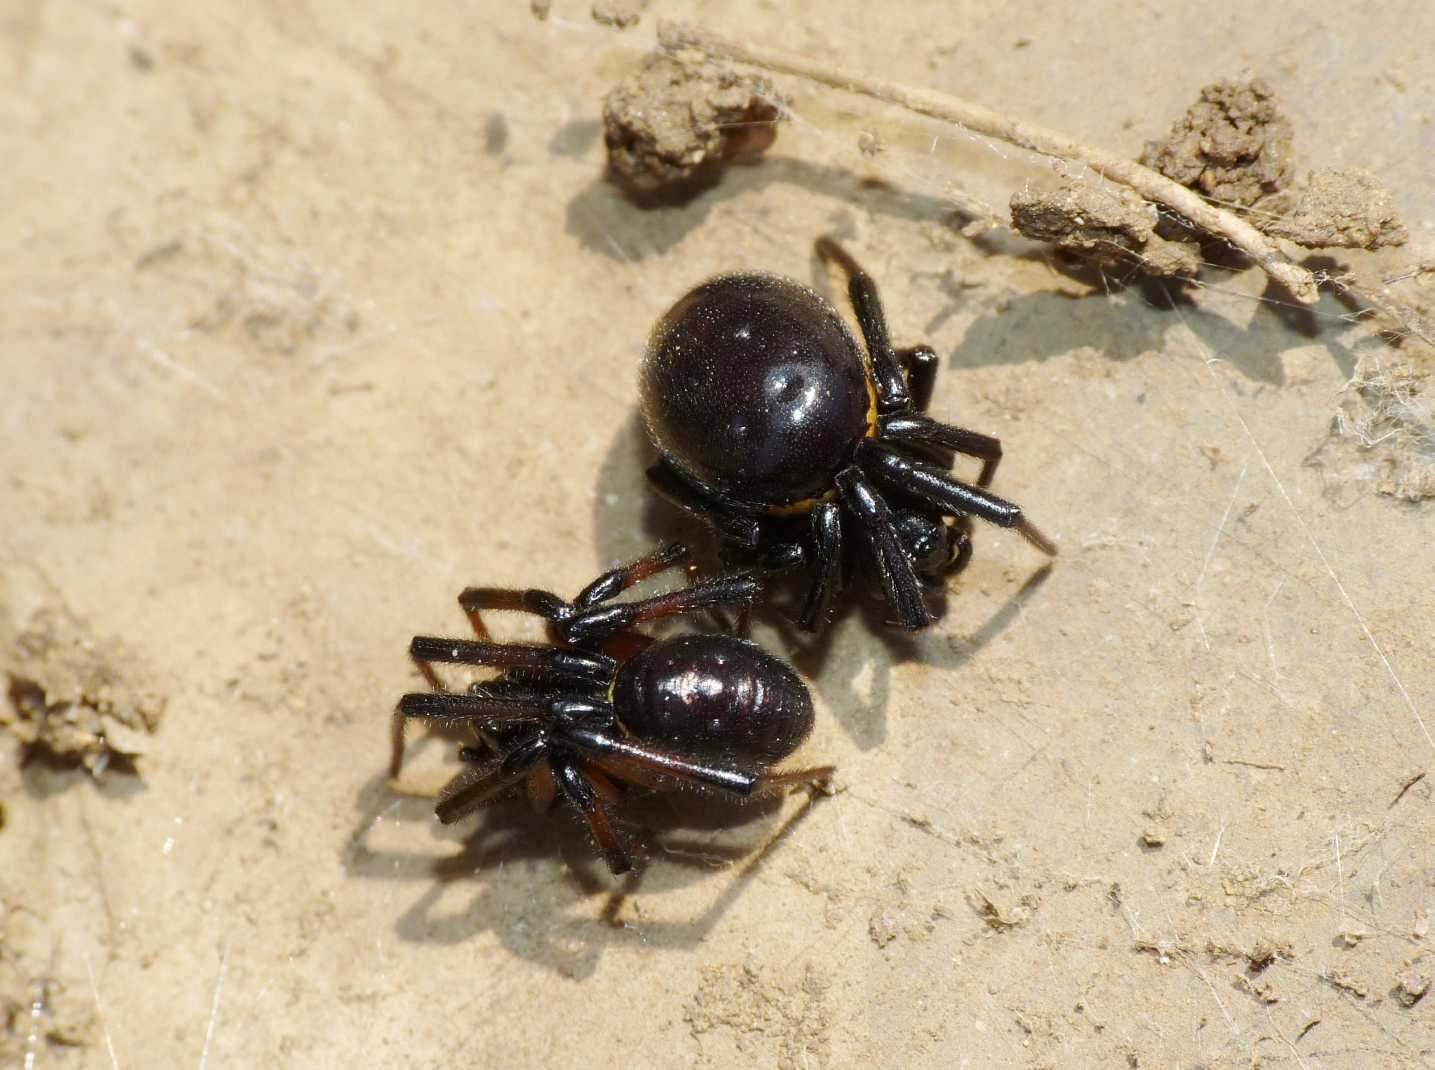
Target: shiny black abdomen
<point x="714" y="696"/>
<point x="754" y="388"/>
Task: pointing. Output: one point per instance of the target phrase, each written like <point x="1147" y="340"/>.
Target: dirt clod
<point x="1000" y="916"/>
<point x="1233" y="144"/>
<point x="68" y="696"/>
<point x="620" y="14"/>
<point x="38" y="1010"/>
<point x="1265" y="951"/>
<point x="882" y="927"/>
<point x="673" y="120"/>
<point x="1346" y="208"/>
<point x="1346" y="983"/>
<point x="1112" y="227"/>
<point x="1411" y="986"/>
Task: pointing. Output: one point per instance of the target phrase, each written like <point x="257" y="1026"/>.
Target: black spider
<point x="775" y="426"/>
<point x="605" y="704"/>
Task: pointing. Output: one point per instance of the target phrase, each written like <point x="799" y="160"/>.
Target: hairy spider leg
<point x="722" y="513"/>
<point x="473" y="789"/>
<point x="592" y="669"/>
<point x="542" y="787"/>
<point x="579" y="789"/>
<point x="889" y="557"/>
<point x="887" y="378"/>
<point x="483" y="710"/>
<point x="825" y="523"/>
<point x="600" y="622"/>
<point x="642" y="763"/>
<point x="473" y="600"/>
<point x="590" y="618"/>
<point x="950" y="495"/>
<point x="816" y="776"/>
<point x="911" y="429"/>
<point x="921" y="363"/>
<point x="618" y="580"/>
<point x="580" y="665"/>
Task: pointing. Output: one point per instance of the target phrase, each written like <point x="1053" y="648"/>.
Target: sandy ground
<point x="314" y="313"/>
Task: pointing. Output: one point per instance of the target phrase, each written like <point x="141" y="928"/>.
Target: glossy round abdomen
<point x="753" y="387"/>
<point x="714" y="695"/>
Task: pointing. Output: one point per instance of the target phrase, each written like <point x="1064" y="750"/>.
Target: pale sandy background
<point x="312" y="313"/>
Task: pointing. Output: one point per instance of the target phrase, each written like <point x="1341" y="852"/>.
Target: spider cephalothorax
<point x="775" y="426"/>
<point x="604" y="705"/>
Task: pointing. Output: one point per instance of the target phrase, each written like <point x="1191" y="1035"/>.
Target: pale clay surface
<point x="312" y="314"/>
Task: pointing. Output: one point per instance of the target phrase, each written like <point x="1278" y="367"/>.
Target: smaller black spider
<point x="606" y="705"/>
<point x="775" y="427"/>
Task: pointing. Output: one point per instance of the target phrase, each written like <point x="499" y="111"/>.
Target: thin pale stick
<point x="1150" y="184"/>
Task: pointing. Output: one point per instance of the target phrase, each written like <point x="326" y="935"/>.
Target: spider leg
<point x="953" y="496"/>
<point x="425" y="650"/>
<point x="571" y="664"/>
<point x="491" y="782"/>
<point x="479" y="709"/>
<point x="921" y="363"/>
<point x="919" y="430"/>
<point x="616" y="581"/>
<point x="474" y="600"/>
<point x="826" y="520"/>
<point x="579" y="790"/>
<point x="960" y="540"/>
<point x="892" y="393"/>
<point x="776" y="783"/>
<point x="894" y="567"/>
<point x="619" y="756"/>
<point x="542" y="787"/>
<point x="599" y="622"/>
<point x="731" y="524"/>
<point x="396" y="744"/>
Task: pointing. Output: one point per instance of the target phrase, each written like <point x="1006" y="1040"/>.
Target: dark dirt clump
<point x="1345" y="208"/>
<point x="672" y="121"/>
<point x="1110" y="226"/>
<point x="1233" y="145"/>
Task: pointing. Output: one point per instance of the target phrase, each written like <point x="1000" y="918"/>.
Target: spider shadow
<point x="629" y="519"/>
<point x="839" y="663"/>
<point x="535" y="875"/>
<point x="837" y="657"/>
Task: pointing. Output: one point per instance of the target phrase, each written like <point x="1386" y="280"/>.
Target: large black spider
<point x="775" y="427"/>
<point x="605" y="705"/>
